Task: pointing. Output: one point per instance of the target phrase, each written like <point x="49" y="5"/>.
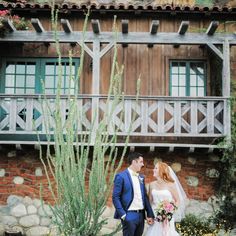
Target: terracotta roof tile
<point x="117" y="6"/>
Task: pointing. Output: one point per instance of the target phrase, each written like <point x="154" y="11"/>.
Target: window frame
<point x="187" y="76"/>
<point x="40" y="67"/>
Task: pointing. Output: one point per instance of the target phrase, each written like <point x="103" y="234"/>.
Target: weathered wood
<point x="96" y="26"/>
<point x="183" y="27"/>
<point x="212" y="28"/>
<point x="154" y="27"/>
<point x="210" y="117"/>
<point x="37" y="25"/>
<point x="130" y="38"/>
<point x="66" y="26"/>
<point x="106" y="49"/>
<point x="125" y="26"/>
<point x="226" y="69"/>
<point x="215" y="50"/>
<point x="9" y="25"/>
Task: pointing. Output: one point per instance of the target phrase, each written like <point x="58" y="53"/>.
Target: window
<point x="188" y="78"/>
<point x="30" y="76"/>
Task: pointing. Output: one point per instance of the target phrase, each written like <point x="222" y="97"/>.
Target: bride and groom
<point x="133" y="205"/>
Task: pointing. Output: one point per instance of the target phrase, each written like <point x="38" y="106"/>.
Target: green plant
<point x="194" y="226"/>
<point x="226" y="214"/>
<point x="19" y="22"/>
<point x="81" y="178"/>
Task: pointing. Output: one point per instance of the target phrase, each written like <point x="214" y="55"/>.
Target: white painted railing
<point x="148" y="116"/>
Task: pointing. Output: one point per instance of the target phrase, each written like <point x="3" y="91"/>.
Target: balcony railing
<point x="147" y="117"/>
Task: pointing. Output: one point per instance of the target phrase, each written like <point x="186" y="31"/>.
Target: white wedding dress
<point x="157" y="228"/>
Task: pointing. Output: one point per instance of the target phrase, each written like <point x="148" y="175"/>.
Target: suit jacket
<point x="122" y="196"/>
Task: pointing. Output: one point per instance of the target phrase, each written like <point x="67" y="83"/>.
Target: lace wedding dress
<point x="157" y="228"/>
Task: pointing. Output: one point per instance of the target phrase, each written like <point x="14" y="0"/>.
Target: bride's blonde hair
<point x="164" y="172"/>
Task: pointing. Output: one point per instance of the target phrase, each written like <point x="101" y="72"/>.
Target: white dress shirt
<point x="137" y="203"/>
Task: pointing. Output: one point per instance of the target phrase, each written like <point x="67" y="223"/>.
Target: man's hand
<point x="150" y="221"/>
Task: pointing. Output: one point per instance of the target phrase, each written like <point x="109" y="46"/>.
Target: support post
<point x="226" y="89"/>
<point x="95" y="88"/>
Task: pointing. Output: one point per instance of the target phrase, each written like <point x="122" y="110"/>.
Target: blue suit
<point x="122" y="198"/>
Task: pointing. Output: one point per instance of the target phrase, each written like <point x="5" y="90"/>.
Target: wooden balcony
<point x="150" y="121"/>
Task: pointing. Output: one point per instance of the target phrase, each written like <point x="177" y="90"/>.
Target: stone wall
<point x="32" y="218"/>
<point x="22" y="173"/>
<point x="26" y="215"/>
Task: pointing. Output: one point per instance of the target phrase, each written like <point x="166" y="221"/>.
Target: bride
<point x="166" y="187"/>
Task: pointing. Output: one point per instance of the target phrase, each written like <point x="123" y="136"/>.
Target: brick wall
<point x="22" y="174"/>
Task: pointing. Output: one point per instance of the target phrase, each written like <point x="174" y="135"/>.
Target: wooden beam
<point x="37" y="25"/>
<point x="191" y="149"/>
<point x="131" y="145"/>
<point x="226" y="70"/>
<point x="66" y="26"/>
<point x="212" y="28"/>
<point x="154" y="26"/>
<point x="151" y="148"/>
<point x="125" y="26"/>
<point x="183" y="27"/>
<point x="153" y="30"/>
<point x="132" y="148"/>
<point x="210" y="150"/>
<point x="130" y="38"/>
<point x="9" y="25"/>
<point x="96" y="26"/>
<point x="215" y="50"/>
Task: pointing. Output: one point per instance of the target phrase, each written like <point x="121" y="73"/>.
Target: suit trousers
<point x="133" y="225"/>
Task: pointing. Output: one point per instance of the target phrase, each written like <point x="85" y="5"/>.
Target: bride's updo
<point x="164" y="172"/>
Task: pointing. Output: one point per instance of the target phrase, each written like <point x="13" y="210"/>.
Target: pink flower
<point x="169" y="208"/>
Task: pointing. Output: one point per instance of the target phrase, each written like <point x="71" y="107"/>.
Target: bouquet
<point x="165" y="210"/>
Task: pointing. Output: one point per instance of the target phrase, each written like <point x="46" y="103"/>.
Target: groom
<point x="130" y="198"/>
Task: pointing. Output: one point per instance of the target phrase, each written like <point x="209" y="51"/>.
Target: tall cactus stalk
<point x="79" y="177"/>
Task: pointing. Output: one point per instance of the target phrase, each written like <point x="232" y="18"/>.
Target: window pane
<point x="196" y="68"/>
<point x="49" y="70"/>
<point x="70" y="69"/>
<point x="20" y="91"/>
<point x="20" y="69"/>
<point x="175" y="81"/>
<point x="30" y="69"/>
<point x="30" y="81"/>
<point x="30" y="91"/>
<point x="10" y="69"/>
<point x="200" y="68"/>
<point x="193" y="81"/>
<point x="182" y="80"/>
<point x="201" y="92"/>
<point x="49" y="91"/>
<point x="49" y="82"/>
<point x="182" y="91"/>
<point x="174" y="91"/>
<point x="10" y="80"/>
<point x="174" y="67"/>
<point x="200" y="80"/>
<point x="9" y="90"/>
<point x="182" y="67"/>
<point x="58" y="68"/>
<point x="193" y="92"/>
<point x="20" y="81"/>
<point x="193" y="68"/>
